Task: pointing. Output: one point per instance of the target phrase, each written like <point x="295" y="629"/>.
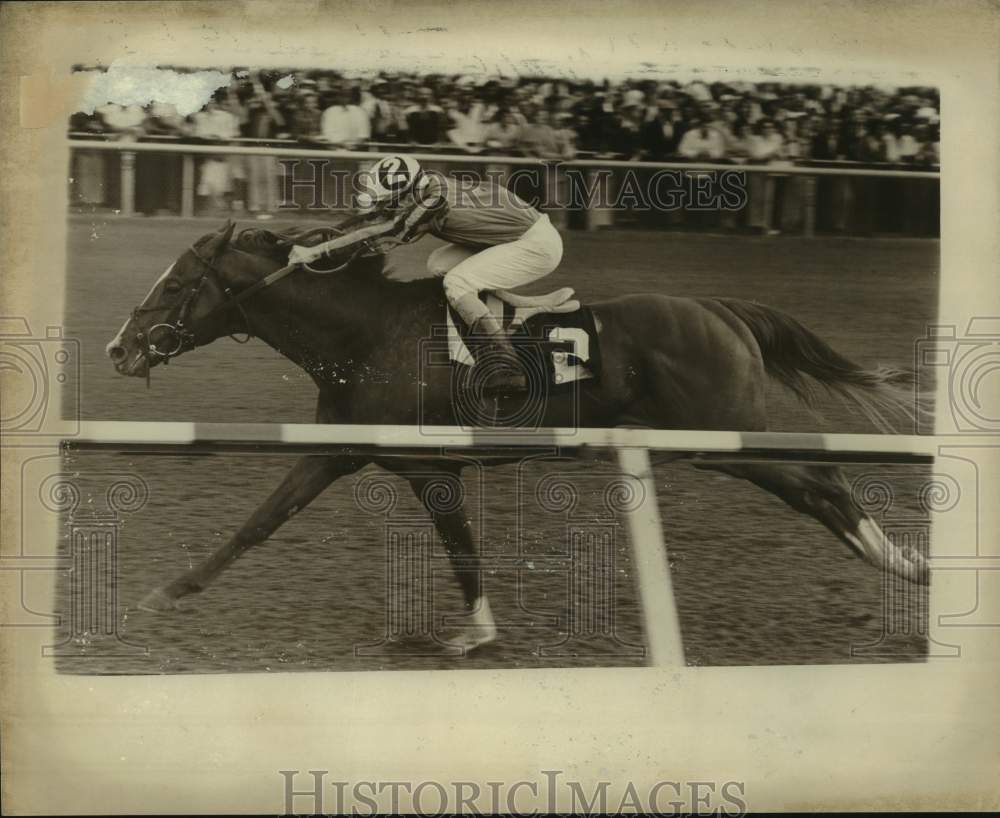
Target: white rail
<point x="127" y="151"/>
<point x="633" y="448"/>
<point x="387" y="440"/>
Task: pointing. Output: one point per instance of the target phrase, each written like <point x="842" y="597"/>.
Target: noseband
<point x="181" y="338"/>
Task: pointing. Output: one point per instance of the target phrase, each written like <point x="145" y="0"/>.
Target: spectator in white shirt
<point x="344" y="124"/>
<point x="215" y="123"/>
<point x="215" y="182"/>
<point x="907" y="146"/>
<point x="468" y="123"/>
<point x="702" y="142"/>
<point x="767" y="145"/>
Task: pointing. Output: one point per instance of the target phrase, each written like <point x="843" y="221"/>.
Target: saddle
<point x="553" y="333"/>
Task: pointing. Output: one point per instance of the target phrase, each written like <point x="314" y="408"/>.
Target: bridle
<point x="181" y="336"/>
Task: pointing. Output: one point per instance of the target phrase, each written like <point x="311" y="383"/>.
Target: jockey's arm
<point x="408" y="224"/>
<point x="304" y="255"/>
<point x="431" y="202"/>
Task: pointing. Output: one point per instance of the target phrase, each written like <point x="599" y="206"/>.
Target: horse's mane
<point x="274" y="245"/>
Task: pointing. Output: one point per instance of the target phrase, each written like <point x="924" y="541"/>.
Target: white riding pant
<point x="503" y="267"/>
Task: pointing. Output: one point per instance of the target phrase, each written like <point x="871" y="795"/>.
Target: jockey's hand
<point x="302" y="255"/>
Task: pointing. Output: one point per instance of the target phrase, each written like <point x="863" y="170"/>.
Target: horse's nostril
<point x="117" y="353"/>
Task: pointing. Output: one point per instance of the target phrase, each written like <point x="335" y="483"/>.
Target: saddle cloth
<point x="552" y="330"/>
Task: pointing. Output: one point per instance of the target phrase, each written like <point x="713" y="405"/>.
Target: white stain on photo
<point x="126" y="85"/>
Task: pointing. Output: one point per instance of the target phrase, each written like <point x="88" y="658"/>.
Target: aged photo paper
<point x="471" y="407"/>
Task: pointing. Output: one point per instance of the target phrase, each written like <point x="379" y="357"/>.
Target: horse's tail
<point x="793" y="355"/>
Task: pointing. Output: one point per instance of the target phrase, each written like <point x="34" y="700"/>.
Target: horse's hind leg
<point x="307" y="479"/>
<point x="441" y="494"/>
<point x="823" y="492"/>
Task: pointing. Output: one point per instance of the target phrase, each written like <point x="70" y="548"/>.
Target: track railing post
<point x="187" y="185"/>
<point x="127" y="194"/>
<point x="652" y="572"/>
<point x="809" y="216"/>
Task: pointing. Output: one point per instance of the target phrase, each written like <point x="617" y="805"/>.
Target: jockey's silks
<point x="483" y="215"/>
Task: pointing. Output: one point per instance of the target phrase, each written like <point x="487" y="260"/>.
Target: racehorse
<point x="667" y="362"/>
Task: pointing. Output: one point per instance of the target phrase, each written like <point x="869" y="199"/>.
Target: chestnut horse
<point x="670" y="363"/>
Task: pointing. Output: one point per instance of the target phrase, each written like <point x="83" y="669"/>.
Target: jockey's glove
<point x="303" y="255"/>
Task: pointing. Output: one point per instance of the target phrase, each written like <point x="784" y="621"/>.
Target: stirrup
<point x="504" y="373"/>
<point x="505" y="383"/>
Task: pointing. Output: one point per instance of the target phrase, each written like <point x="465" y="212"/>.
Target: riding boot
<point x="504" y="373"/>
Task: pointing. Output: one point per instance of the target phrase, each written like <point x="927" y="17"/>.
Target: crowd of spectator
<point x="553" y="118"/>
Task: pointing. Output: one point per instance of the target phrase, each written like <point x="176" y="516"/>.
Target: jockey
<point x="496" y="241"/>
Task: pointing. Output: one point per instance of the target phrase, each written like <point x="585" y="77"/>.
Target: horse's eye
<point x="172" y="286"/>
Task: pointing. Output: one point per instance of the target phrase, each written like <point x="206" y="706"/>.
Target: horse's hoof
<point x="471" y="638"/>
<point x="157" y="601"/>
<point x="478" y="629"/>
<point x="481" y="631"/>
<point x="919" y="571"/>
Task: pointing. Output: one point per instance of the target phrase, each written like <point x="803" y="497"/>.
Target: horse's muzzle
<point x="136" y="367"/>
<point x="117" y="353"/>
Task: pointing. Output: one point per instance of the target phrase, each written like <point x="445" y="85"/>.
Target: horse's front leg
<point x="441" y="494"/>
<point x="307" y="479"/>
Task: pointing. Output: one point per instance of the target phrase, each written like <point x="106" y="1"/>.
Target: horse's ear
<point x="220" y="240"/>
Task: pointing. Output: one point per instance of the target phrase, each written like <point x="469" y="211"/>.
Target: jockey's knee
<point x="446" y="258"/>
<point x="436" y="265"/>
<point x="457" y="286"/>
